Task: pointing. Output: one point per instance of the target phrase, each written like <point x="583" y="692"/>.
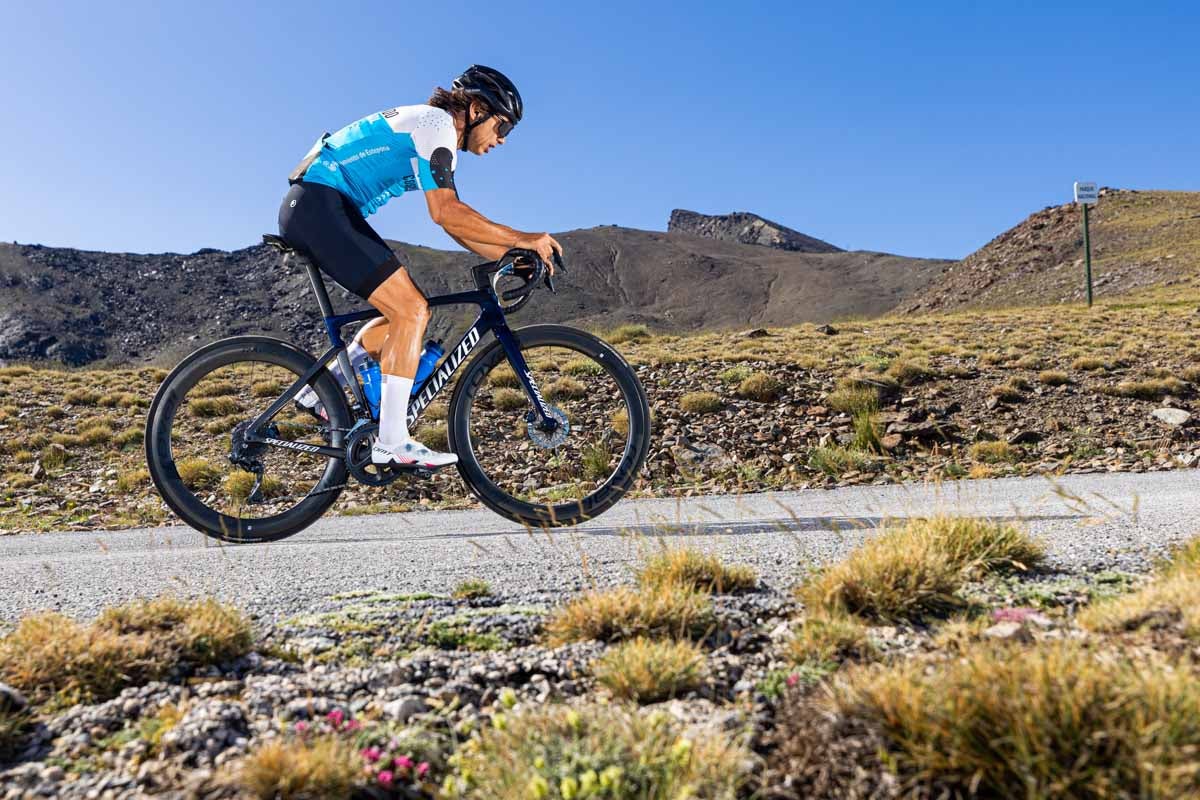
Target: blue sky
<point x="920" y="128"/>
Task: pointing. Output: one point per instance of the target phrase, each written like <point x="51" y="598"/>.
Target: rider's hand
<point x="543" y="244"/>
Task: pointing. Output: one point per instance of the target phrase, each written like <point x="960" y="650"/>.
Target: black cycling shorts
<point x="326" y="226"/>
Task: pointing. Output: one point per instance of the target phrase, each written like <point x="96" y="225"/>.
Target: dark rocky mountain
<point x="79" y="307"/>
<point x="746" y="228"/>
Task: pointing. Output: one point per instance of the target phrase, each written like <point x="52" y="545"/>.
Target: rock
<point x="754" y="333"/>
<point x="11" y="700"/>
<point x="694" y="458"/>
<point x="1025" y="437"/>
<point x="930" y="430"/>
<point x="1175" y="417"/>
<point x="403" y="708"/>
<point x="891" y="441"/>
<point x="1014" y="631"/>
<point x="828" y="330"/>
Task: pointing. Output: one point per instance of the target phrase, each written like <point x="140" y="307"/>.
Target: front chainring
<point x="358" y="457"/>
<point x="550" y="439"/>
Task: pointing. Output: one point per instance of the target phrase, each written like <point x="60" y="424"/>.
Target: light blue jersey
<point x="387" y="154"/>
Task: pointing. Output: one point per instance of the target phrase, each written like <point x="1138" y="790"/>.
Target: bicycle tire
<point x="562" y="514"/>
<point x="166" y="477"/>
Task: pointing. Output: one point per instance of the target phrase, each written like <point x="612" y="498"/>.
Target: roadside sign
<point x="1086" y="193"/>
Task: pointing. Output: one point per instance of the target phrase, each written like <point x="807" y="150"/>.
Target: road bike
<point x="550" y="423"/>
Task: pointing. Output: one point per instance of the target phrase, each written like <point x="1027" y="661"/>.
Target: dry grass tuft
<point x="830" y="637"/>
<point x="473" y="588"/>
<point x="1171" y="602"/>
<point x="509" y="399"/>
<point x="915" y="571"/>
<point x="198" y="473"/>
<point x="213" y="406"/>
<point x="613" y="615"/>
<point x="566" y="388"/>
<point x="435" y="437"/>
<point x="127" y="645"/>
<point x="1056" y="721"/>
<point x="760" y="386"/>
<point x="1151" y="389"/>
<point x="597" y="751"/>
<point x="649" y="670"/>
<point x="995" y="453"/>
<point x="701" y="402"/>
<point x="1052" y="377"/>
<point x="627" y="333"/>
<point x="695" y="569"/>
<point x="326" y="767"/>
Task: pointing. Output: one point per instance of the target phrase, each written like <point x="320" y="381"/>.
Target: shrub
<point x="582" y="366"/>
<point x="695" y="569"/>
<point x="509" y="399"/>
<point x="628" y="333"/>
<point x="995" y="453"/>
<point x="596" y="460"/>
<point x="915" y="570"/>
<point x="648" y="671"/>
<point x="701" y="402"/>
<point x="623" y="613"/>
<point x="502" y="376"/>
<point x="55" y="412"/>
<point x="834" y="461"/>
<point x="566" y="389"/>
<point x="1008" y="392"/>
<point x="1172" y="601"/>
<point x="215" y="389"/>
<point x="129" y="438"/>
<point x="54" y="456"/>
<point x="1057" y="721"/>
<point x="471" y="589"/>
<point x="1052" y="377"/>
<point x="127" y="645"/>
<point x="96" y="434"/>
<point x="735" y="374"/>
<point x="81" y="397"/>
<point x="620" y="422"/>
<point x="1152" y="389"/>
<point x="198" y="473"/>
<point x="267" y="388"/>
<point x="213" y="406"/>
<point x="1090" y="364"/>
<point x="435" y="437"/>
<point x="760" y="386"/>
<point x="830" y="637"/>
<point x="907" y="372"/>
<point x="853" y="399"/>
<point x="866" y="432"/>
<point x="595" y="751"/>
<point x="293" y="769"/>
<point x="133" y="480"/>
<point x="13" y="727"/>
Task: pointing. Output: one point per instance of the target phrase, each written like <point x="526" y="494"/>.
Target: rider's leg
<point x="407" y="314"/>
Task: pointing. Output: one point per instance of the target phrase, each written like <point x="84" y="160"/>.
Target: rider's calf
<point x="407" y="313"/>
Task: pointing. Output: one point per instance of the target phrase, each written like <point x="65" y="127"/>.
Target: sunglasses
<point x="504" y="127"/>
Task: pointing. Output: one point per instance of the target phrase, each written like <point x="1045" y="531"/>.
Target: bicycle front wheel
<point x="573" y="474"/>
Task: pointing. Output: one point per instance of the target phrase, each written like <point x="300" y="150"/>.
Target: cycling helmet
<point x="495" y="90"/>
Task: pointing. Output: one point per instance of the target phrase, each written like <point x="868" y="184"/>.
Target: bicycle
<point x="282" y="467"/>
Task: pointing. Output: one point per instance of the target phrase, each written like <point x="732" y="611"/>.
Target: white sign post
<point x="1086" y="194"/>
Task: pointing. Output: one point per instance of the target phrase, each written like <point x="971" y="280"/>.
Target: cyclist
<point x="350" y="174"/>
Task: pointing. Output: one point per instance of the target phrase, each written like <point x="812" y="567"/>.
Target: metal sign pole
<point x="1087" y="254"/>
<point x="1085" y="195"/>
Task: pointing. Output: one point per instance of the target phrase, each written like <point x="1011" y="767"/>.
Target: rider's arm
<point x="491" y="252"/>
<point x="465" y="223"/>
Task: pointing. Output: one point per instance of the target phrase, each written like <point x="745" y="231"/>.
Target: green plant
<point x="471" y="589"/>
<point x="649" y="670"/>
<point x="701" y="402"/>
<point x="666" y="610"/>
<point x="760" y="386"/>
<point x="695" y="569"/>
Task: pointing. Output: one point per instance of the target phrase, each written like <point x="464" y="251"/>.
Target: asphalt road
<point x="1090" y="522"/>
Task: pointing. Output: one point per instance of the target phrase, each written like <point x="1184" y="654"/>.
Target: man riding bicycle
<point x="350" y="174"/>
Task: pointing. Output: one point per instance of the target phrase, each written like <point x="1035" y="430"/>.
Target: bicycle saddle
<point x="278" y="242"/>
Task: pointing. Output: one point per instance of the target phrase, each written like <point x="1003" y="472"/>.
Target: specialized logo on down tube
<point x="445" y="371"/>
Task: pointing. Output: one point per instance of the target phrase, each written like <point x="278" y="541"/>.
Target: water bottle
<point x="372" y="383"/>
<point x="429" y="359"/>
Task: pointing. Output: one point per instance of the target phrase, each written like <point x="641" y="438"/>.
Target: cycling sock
<point x="357" y="353"/>
<point x="393" y="410"/>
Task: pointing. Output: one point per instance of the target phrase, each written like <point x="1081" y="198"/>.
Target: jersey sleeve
<point x="436" y="143"/>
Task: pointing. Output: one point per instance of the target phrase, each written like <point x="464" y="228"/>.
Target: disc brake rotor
<point x="550" y="439"/>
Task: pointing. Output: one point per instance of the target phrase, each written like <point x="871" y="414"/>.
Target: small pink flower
<point x="351" y="726"/>
<point x="385" y="777"/>
<point x="301" y="727"/>
<point x="422" y="768"/>
<point x="336" y="717"/>
<point x="404" y="762"/>
<point x="371" y="754"/>
<point x="793" y="679"/>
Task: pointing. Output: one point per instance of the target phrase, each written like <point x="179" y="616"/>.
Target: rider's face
<point x="485" y="136"/>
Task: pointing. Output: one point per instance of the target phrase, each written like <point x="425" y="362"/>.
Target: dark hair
<point x="456" y="101"/>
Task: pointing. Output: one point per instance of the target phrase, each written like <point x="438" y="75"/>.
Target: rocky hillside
<point x="1140" y="241"/>
<point x="746" y="228"/>
<point x="78" y="307"/>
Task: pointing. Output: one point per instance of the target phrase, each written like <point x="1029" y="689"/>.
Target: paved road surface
<point x="1090" y="522"/>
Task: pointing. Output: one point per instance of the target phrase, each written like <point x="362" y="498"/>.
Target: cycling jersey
<point x="387" y="154"/>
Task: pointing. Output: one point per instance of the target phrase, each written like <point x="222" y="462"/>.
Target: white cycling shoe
<point x="410" y="454"/>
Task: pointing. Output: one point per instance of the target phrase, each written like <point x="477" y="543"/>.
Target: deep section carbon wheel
<point x="566" y="475"/>
<point x="204" y="467"/>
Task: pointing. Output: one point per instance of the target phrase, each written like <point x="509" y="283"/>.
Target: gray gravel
<point x="1091" y="522"/>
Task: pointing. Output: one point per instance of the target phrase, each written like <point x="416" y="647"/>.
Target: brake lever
<point x="558" y="263"/>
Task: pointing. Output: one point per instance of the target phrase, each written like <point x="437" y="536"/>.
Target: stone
<point x="1008" y="631"/>
<point x="403" y="708"/>
<point x="1175" y="417"/>
<point x="754" y="333"/>
<point x="891" y="441"/>
<point x="828" y="330"/>
<point x="1025" y="437"/>
<point x="11" y="700"/>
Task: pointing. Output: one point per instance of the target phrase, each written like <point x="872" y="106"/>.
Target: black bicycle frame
<point x="491" y="319"/>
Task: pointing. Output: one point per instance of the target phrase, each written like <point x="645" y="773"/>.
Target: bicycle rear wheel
<point x="568" y="477"/>
<point x="192" y="436"/>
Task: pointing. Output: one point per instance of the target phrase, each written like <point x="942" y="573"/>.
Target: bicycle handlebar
<point x="524" y="264"/>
